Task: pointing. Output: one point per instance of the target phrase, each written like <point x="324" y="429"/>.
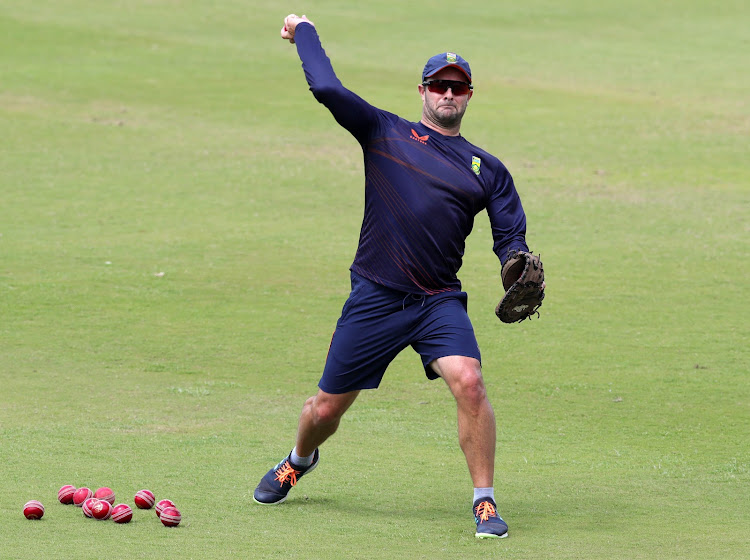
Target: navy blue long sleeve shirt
<point x="422" y="189"/>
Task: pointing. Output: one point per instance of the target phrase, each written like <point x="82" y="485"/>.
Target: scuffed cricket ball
<point x="144" y="499"/>
<point x="170" y="517"/>
<point x="81" y="495"/>
<point x="88" y="506"/>
<point x="162" y="505"/>
<point x="101" y="510"/>
<point x="122" y="513"/>
<point x="65" y="494"/>
<point x="33" y="509"/>
<point x="105" y="493"/>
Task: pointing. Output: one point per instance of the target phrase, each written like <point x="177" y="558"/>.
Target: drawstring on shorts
<point x="417" y="297"/>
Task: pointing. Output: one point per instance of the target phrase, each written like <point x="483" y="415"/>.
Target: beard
<point x="444" y="117"/>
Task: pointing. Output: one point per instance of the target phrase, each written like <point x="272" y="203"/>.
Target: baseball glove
<point x="523" y="280"/>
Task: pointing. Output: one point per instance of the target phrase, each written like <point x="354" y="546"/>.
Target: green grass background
<point x="177" y="216"/>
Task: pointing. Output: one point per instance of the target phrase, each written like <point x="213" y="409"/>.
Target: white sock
<point x="484" y="493"/>
<point x="301" y="461"/>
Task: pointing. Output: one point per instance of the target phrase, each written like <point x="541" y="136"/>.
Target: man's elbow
<point x="325" y="92"/>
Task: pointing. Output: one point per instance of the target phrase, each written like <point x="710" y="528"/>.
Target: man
<point x="424" y="183"/>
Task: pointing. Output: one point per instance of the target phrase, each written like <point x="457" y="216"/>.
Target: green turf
<point x="177" y="215"/>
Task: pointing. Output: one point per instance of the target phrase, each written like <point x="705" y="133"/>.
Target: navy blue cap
<point x="445" y="60"/>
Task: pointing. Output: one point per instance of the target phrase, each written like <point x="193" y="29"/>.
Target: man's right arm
<point x="350" y="111"/>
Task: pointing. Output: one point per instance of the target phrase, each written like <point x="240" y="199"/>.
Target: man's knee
<point x="327" y="408"/>
<point x="464" y="378"/>
<point x="471" y="388"/>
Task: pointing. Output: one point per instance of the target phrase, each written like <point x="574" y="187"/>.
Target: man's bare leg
<point x="320" y="419"/>
<point x="476" y="419"/>
<point x="476" y="434"/>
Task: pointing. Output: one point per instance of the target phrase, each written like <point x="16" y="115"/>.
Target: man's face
<point x="447" y="109"/>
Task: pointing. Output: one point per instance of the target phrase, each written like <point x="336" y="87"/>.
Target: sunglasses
<point x="441" y="86"/>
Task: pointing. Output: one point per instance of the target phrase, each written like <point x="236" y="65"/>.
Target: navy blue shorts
<point x="377" y="322"/>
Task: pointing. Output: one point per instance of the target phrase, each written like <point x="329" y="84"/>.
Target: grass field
<point x="177" y="216"/>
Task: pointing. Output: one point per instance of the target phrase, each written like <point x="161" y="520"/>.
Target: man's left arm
<point x="522" y="273"/>
<point x="507" y="218"/>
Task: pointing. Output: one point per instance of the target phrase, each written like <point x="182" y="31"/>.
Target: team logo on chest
<point x="476" y="163"/>
<point x="418" y="138"/>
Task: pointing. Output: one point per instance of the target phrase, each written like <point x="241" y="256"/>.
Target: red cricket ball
<point x="106" y="494"/>
<point x="122" y="513"/>
<point x="170" y="516"/>
<point x="163" y="504"/>
<point x="87" y="507"/>
<point x="144" y="499"/>
<point x="65" y="494"/>
<point x="33" y="509"/>
<point x="81" y="495"/>
<point x="102" y="509"/>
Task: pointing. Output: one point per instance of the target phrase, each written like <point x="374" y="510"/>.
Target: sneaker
<point x="275" y="485"/>
<point x="489" y="524"/>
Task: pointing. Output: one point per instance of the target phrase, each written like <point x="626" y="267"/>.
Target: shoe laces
<point x="286" y="473"/>
<point x="485" y="510"/>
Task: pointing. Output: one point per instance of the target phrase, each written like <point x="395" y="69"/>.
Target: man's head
<point x="446" y="60"/>
<point x="445" y="90"/>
